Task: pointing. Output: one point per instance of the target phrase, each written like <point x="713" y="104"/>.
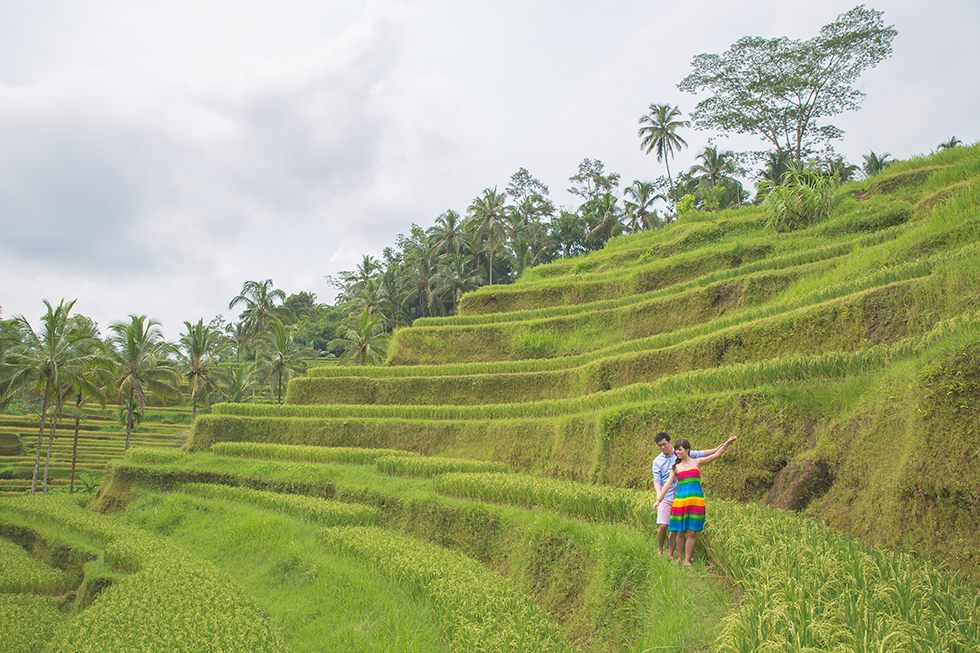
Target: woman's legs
<point x="689" y="541"/>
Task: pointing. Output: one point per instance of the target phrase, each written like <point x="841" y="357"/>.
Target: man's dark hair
<point x="660" y="437"/>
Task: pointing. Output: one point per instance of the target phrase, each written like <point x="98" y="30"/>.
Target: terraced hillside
<point x="841" y="355"/>
<point x="488" y="490"/>
<point x="101" y="438"/>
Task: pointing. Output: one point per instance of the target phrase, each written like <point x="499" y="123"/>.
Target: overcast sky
<point x="155" y="156"/>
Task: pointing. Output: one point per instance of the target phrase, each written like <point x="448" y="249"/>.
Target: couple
<point x="677" y="479"/>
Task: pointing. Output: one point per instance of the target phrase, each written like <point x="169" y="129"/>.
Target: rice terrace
<point x="500" y="500"/>
<point x="457" y="457"/>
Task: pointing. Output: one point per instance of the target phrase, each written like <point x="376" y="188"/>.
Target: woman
<point x="687" y="513"/>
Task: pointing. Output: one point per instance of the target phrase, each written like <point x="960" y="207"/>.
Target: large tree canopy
<point x="778" y="89"/>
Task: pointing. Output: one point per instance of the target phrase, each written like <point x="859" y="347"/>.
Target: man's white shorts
<point x="663" y="512"/>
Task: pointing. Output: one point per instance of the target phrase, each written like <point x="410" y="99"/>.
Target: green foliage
<point x="802" y="199"/>
<point x="777" y="89"/>
<point x="402" y="465"/>
<point x="807" y="587"/>
<point x="477" y="609"/>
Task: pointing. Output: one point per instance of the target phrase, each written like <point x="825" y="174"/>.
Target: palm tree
<point x="447" y="235"/>
<point x="873" y="164"/>
<point x="240" y="383"/>
<point x="238" y="334"/>
<point x="950" y="144"/>
<point x="198" y="355"/>
<point x="457" y="274"/>
<point x="487" y="214"/>
<point x="392" y="290"/>
<point x="659" y="133"/>
<point x="259" y="298"/>
<point x="282" y="357"/>
<point x="716" y="170"/>
<point x="422" y="271"/>
<point x="368" y="295"/>
<point x="607" y="218"/>
<point x="40" y="359"/>
<point x="139" y="354"/>
<point x="639" y="215"/>
<point x="363" y="339"/>
<point x="86" y="382"/>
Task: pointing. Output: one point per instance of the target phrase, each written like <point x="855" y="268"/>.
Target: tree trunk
<point x="74" y="446"/>
<point x="47" y="461"/>
<point x="40" y="437"/>
<point x="129" y="419"/>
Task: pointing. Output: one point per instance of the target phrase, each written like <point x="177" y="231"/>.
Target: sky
<point x="156" y="156"/>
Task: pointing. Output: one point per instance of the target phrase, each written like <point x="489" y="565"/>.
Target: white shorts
<point x="663" y="512"/>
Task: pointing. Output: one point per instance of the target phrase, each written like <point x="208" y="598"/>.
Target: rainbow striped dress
<point x="687" y="511"/>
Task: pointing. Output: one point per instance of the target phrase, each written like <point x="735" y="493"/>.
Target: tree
<point x="141" y="367"/>
<point x="40" y="360"/>
<point x="238" y="335"/>
<point x="259" y="298"/>
<point x="363" y="339"/>
<point x="950" y="144"/>
<point x="487" y="216"/>
<point x="605" y="218"/>
<point x="198" y="355"/>
<point x="240" y="383"/>
<point x="447" y="235"/>
<point x="282" y="358"/>
<point x="640" y="197"/>
<point x="873" y="164"/>
<point x="457" y="273"/>
<point x="659" y="133"/>
<point x="592" y="181"/>
<point x="392" y="290"/>
<point x="716" y="184"/>
<point x="530" y="198"/>
<point x="779" y="89"/>
<point x="89" y="381"/>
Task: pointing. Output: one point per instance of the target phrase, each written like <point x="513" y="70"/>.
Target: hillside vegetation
<point x="489" y="488"/>
<point x="844" y="356"/>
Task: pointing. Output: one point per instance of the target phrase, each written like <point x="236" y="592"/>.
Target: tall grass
<point x="477" y="609"/>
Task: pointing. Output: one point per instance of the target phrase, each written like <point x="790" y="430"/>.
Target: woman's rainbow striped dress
<point x="687" y="511"/>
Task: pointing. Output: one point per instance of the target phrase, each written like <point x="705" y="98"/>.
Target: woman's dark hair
<point x="681" y="444"/>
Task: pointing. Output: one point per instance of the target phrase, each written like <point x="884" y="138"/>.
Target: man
<point x="661" y="470"/>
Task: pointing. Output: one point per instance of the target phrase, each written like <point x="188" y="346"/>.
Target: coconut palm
<point x="447" y="235"/>
<point x="363" y="339"/>
<point x="240" y="383"/>
<point x="457" y="274"/>
<point x="606" y="217"/>
<point x="487" y="214"/>
<point x="41" y="361"/>
<point x="198" y="356"/>
<point x="282" y="358"/>
<point x="238" y="335"/>
<point x="392" y="288"/>
<point x="259" y="299"/>
<point x="659" y="133"/>
<point x="950" y="144"/>
<point x="873" y="164"/>
<point x="639" y="215"/>
<point x="89" y="381"/>
<point x="141" y="366"/>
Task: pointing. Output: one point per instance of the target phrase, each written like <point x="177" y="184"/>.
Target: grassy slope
<point x="835" y="353"/>
<point x="870" y="318"/>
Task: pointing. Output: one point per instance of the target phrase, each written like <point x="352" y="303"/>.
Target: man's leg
<point x="663" y="518"/>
